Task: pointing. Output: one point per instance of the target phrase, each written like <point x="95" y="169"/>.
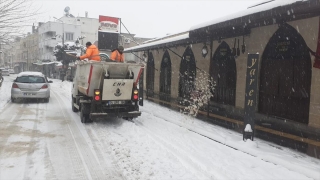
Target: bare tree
<point x="14" y="16"/>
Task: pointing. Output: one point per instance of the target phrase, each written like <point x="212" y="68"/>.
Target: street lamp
<point x="64" y="61"/>
<point x="62" y="30"/>
<point x="27" y="58"/>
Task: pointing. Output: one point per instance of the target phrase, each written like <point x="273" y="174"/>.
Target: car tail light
<point x="44" y="86"/>
<point x="14" y="85"/>
<point x="135" y="95"/>
<point x="97" y="94"/>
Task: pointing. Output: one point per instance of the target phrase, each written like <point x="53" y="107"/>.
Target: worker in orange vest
<point x="92" y="53"/>
<point x="117" y="54"/>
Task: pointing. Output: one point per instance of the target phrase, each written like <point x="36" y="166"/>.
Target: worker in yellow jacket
<point x="117" y="54"/>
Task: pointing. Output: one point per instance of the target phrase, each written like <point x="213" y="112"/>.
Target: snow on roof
<point x="163" y="40"/>
<point x="268" y="5"/>
<point x="28" y="73"/>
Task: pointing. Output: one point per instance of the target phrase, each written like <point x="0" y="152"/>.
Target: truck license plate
<point x="29" y="94"/>
<point x="116" y="102"/>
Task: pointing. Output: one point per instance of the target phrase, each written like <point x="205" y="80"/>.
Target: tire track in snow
<point x="66" y="148"/>
<point x="29" y="161"/>
<point x="113" y="173"/>
<point x="39" y="148"/>
<point x="89" y="158"/>
<point x="12" y="125"/>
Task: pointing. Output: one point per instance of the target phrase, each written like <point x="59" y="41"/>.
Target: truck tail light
<point x="14" y="85"/>
<point x="97" y="94"/>
<point x="135" y="95"/>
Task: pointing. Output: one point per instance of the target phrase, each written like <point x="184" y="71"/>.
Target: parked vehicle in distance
<point x="30" y="85"/>
<point x="11" y="71"/>
<point x="5" y="72"/>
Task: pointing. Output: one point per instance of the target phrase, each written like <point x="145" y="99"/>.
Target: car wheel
<point x="46" y="100"/>
<point x="13" y="100"/>
<point x="74" y="109"/>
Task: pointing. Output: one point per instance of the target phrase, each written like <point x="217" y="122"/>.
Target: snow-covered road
<point x="47" y="141"/>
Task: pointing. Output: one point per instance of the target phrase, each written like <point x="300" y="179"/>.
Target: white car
<point x="11" y="71"/>
<point x="30" y="85"/>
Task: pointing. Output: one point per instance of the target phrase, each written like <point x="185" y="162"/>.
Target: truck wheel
<point x="84" y="117"/>
<point x="84" y="114"/>
<point x="128" y="118"/>
<point x="74" y="109"/>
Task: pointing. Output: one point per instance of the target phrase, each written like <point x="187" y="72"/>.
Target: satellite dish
<point x="67" y="9"/>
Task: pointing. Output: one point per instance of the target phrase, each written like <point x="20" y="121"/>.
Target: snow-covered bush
<point x="200" y="96"/>
<point x="69" y="47"/>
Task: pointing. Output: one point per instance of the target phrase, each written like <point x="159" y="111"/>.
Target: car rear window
<point x="30" y="79"/>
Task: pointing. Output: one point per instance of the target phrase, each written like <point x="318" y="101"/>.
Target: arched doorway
<point x="223" y="72"/>
<point x="150" y="75"/>
<point x="285" y="76"/>
<point x="187" y="74"/>
<point x="165" y="78"/>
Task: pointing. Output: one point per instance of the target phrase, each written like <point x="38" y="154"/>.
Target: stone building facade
<point x="287" y="39"/>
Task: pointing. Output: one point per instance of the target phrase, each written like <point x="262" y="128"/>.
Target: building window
<point x="69" y="36"/>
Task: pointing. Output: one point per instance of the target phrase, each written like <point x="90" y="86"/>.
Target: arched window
<point x="187" y="74"/>
<point x="150" y="75"/>
<point x="165" y="78"/>
<point x="285" y="76"/>
<point x="223" y="72"/>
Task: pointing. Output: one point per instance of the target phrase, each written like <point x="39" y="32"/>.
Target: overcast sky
<point x="146" y="18"/>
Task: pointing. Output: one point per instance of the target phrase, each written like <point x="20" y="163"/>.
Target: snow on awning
<point x="158" y="42"/>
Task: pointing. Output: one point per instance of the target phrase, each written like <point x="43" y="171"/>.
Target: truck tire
<point x="74" y="109"/>
<point x="84" y="113"/>
<point x="128" y="118"/>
